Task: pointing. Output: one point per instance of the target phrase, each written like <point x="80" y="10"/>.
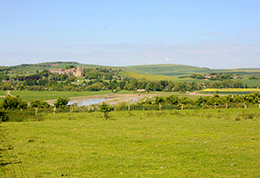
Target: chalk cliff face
<point x="76" y="72"/>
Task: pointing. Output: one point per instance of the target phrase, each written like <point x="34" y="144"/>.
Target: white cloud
<point x="255" y="31"/>
<point x="167" y="59"/>
<point x="150" y="62"/>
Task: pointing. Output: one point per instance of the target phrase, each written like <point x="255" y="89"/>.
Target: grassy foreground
<point x="189" y="143"/>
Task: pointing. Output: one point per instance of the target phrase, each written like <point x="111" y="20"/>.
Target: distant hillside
<point x="177" y="70"/>
<point x="32" y="68"/>
<point x="165" y="69"/>
<point x="241" y="71"/>
<point x="159" y="69"/>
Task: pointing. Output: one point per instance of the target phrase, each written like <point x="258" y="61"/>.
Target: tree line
<point x="95" y="79"/>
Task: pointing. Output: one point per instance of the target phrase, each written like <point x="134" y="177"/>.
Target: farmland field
<point x="230" y="90"/>
<point x="51" y="95"/>
<point x="48" y="95"/>
<point x="251" y="83"/>
<point x="162" y="77"/>
<point x="188" y="143"/>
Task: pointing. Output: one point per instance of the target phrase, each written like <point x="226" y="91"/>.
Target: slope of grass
<point x="192" y="143"/>
<point x="165" y="69"/>
<point x="26" y="69"/>
<point x="146" y="76"/>
<point x="159" y="69"/>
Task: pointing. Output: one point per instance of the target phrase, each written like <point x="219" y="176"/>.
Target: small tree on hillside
<point x="105" y="108"/>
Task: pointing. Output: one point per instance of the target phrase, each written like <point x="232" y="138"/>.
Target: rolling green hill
<point x="159" y="69"/>
<point x="24" y="69"/>
<point x="177" y="70"/>
<point x="165" y="69"/>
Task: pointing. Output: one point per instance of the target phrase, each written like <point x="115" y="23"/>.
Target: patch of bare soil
<point x="112" y="98"/>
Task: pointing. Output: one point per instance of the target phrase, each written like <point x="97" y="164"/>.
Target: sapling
<point x="105" y="108"/>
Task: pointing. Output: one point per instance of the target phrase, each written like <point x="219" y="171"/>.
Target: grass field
<point x="251" y="83"/>
<point x="48" y="95"/>
<point x="161" y="77"/>
<point x="2" y="93"/>
<point x="165" y="69"/>
<point x="189" y="143"/>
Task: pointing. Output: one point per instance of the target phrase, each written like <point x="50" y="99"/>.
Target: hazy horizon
<point x="216" y="35"/>
<point x="137" y="65"/>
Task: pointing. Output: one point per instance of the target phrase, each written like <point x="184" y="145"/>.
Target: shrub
<point x="3" y="116"/>
<point x="39" y="104"/>
<point x="105" y="108"/>
<point x="61" y="102"/>
<point x="10" y="102"/>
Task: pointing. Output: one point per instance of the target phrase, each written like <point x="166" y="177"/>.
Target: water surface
<point x="86" y="102"/>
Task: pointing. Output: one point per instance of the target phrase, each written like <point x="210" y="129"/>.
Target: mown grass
<point x="2" y="93"/>
<point x="48" y="95"/>
<point x="188" y="143"/>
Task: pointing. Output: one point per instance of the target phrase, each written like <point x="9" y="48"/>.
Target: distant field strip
<point x="231" y="90"/>
<point x="48" y="95"/>
<point x="148" y="77"/>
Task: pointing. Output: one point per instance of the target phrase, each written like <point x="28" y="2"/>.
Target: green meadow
<point x="184" y="143"/>
<point x="2" y="93"/>
<point x="27" y="95"/>
<point x="48" y="95"/>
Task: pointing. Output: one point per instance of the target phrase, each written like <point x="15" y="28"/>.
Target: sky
<point x="214" y="34"/>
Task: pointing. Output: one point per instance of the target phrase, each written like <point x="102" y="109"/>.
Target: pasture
<point x="49" y="95"/>
<point x="188" y="143"/>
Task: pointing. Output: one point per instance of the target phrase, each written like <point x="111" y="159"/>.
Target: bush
<point x="61" y="102"/>
<point x="10" y="102"/>
<point x="24" y="116"/>
<point x="105" y="108"/>
<point x="39" y="104"/>
<point x="3" y="116"/>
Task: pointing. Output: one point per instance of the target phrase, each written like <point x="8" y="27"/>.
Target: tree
<point x="172" y="99"/>
<point x="39" y="104"/>
<point x="105" y="108"/>
<point x="3" y="116"/>
<point x="61" y="102"/>
<point x="10" y="102"/>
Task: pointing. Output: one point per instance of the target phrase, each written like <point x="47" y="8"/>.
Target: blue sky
<point x="218" y="34"/>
